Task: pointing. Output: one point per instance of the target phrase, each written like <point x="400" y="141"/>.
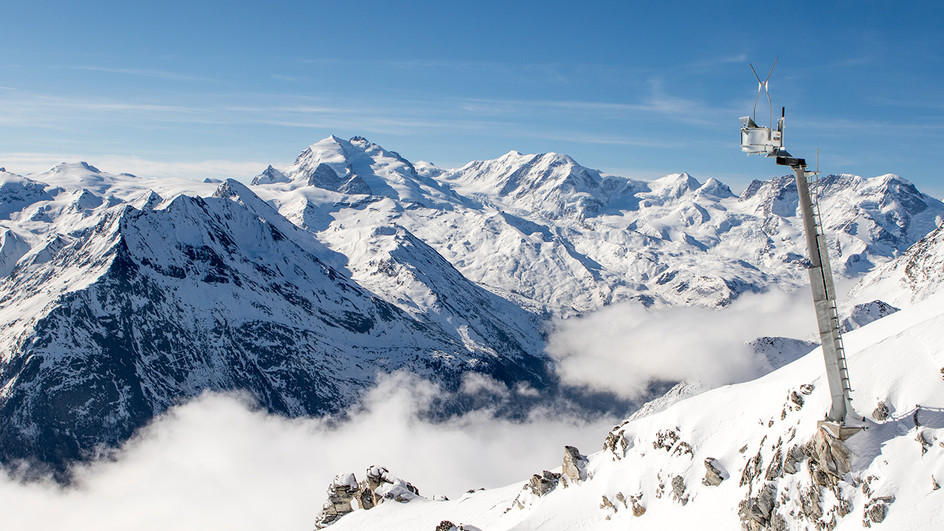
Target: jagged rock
<point x="607" y="504"/>
<point x="543" y="483"/>
<point x="876" y="510"/>
<point x="638" y="508"/>
<point x="934" y="484"/>
<point x="678" y="490"/>
<point x="881" y="411"/>
<point x="340" y="494"/>
<point x="671" y="441"/>
<point x="751" y="469"/>
<point x="346" y="494"/>
<point x="575" y="465"/>
<point x="714" y="472"/>
<point x="796" y="399"/>
<point x="807" y="389"/>
<point x="756" y="512"/>
<point x="622" y="499"/>
<point x="924" y="439"/>
<point x="829" y="456"/>
<point x="613" y="440"/>
<point x="811" y="504"/>
<point x="794" y="457"/>
<point x="446" y="525"/>
<point x="775" y="468"/>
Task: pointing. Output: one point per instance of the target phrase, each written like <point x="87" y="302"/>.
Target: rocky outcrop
<point x="346" y="494"/>
<point x="541" y="484"/>
<point x="575" y="466"/>
<point x="714" y="472"/>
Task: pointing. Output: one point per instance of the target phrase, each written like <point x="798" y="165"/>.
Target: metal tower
<point x="769" y="142"/>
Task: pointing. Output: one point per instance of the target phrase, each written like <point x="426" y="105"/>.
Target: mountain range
<point x="121" y="296"/>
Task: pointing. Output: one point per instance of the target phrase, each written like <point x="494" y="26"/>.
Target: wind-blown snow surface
<point x="754" y="434"/>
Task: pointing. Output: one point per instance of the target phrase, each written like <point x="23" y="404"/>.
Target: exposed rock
<point x="925" y="440"/>
<point x="543" y="483"/>
<point x="607" y="506"/>
<point x="881" y="411"/>
<point x="678" y="490"/>
<point x="446" y="525"/>
<point x="575" y="465"/>
<point x="638" y="508"/>
<point x="714" y="472"/>
<point x="807" y="389"/>
<point x="345" y="494"/>
<point x="755" y="512"/>
<point x="671" y="441"/>
<point x="751" y="469"/>
<point x="615" y="440"/>
<point x="796" y="399"/>
<point x="876" y="510"/>
<point x="863" y="314"/>
<point x="622" y="499"/>
<point x="830" y="456"/>
<point x="794" y="457"/>
<point x="775" y="468"/>
<point x="340" y="494"/>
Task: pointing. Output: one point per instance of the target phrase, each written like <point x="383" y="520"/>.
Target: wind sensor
<point x="767" y="141"/>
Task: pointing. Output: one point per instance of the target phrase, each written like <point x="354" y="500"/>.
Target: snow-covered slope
<point x="913" y="276"/>
<point x="745" y="456"/>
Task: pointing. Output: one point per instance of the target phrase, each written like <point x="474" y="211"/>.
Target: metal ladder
<point x="815" y="185"/>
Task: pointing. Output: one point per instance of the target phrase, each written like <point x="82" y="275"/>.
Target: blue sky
<point x="634" y="88"/>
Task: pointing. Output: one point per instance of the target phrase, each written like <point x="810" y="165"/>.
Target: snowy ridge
<point x="913" y="276"/>
<point x="558" y="237"/>
<point x="115" y="312"/>
<point x="746" y="456"/>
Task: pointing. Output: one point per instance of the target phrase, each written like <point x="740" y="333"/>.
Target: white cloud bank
<point x="214" y="463"/>
<point x="27" y="163"/>
<point x="624" y="347"/>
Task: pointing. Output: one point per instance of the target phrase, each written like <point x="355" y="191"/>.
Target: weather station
<point x="768" y="142"/>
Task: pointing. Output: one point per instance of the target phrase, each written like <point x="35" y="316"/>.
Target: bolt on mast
<point x="769" y="142"/>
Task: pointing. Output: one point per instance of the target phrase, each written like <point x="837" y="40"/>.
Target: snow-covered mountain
<point x="557" y="237"/>
<point x="115" y="309"/>
<point x="120" y="296"/>
<point x="747" y="456"/>
<point x="911" y="277"/>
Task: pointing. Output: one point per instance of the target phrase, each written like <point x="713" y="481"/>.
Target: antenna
<point x="764" y="85"/>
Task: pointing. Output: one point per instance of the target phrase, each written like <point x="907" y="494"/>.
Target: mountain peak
<point x="674" y="185"/>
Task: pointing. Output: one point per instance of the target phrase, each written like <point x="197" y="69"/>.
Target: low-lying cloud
<point x="218" y="463"/>
<point x="624" y="347"/>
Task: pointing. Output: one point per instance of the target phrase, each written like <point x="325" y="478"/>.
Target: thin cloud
<point x="623" y="348"/>
<point x="26" y="163"/>
<point x="141" y="72"/>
